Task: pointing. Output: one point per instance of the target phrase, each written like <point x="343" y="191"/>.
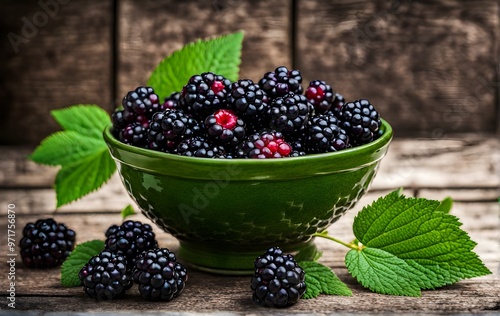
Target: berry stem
<point x="348" y="245"/>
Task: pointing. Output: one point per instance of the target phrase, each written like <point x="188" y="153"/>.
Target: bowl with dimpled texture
<point x="225" y="212"/>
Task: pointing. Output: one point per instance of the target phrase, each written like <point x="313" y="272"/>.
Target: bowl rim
<point x="324" y="163"/>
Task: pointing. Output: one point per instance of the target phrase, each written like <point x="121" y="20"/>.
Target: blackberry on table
<point x="172" y="101"/>
<point x="278" y="280"/>
<point x="105" y="276"/>
<point x="224" y="127"/>
<point x="324" y="134"/>
<point x="198" y="146"/>
<point x="248" y="101"/>
<point x="134" y="134"/>
<point x="204" y="94"/>
<point x="46" y="243"/>
<point x="361" y="121"/>
<point x="142" y="101"/>
<point x="281" y="81"/>
<point x="130" y="239"/>
<point x="168" y="128"/>
<point x="159" y="275"/>
<point x="320" y="95"/>
<point x="289" y="114"/>
<point x="264" y="145"/>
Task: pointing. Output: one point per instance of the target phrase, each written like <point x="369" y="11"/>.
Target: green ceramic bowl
<point x="225" y="212"/>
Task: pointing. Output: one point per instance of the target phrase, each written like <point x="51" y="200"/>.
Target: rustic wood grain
<point x="67" y="60"/>
<point x="144" y="41"/>
<point x="430" y="67"/>
<point x="41" y="291"/>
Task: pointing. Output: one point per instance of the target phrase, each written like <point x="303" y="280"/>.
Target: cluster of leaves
<point x="80" y="149"/>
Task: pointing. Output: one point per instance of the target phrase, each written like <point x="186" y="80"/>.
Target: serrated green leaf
<point x="77" y="259"/>
<point x="321" y="279"/>
<point x="221" y="55"/>
<point x="446" y="205"/>
<point x="65" y="147"/>
<point x="382" y="272"/>
<point x="127" y="211"/>
<point x="309" y="253"/>
<point x="86" y="119"/>
<point x="435" y="249"/>
<point x="82" y="177"/>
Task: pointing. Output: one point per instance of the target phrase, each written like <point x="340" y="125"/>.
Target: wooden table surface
<point x="466" y="168"/>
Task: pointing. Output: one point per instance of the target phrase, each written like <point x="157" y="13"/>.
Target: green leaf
<point x="127" y="211"/>
<point x="322" y="280"/>
<point x="309" y="253"/>
<point x="82" y="177"/>
<point x="221" y="55"/>
<point x="65" y="147"/>
<point x="446" y="205"/>
<point x="86" y="119"/>
<point x="382" y="272"/>
<point x="430" y="242"/>
<point x="77" y="259"/>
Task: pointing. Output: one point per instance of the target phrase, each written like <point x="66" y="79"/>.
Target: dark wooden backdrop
<point x="431" y="67"/>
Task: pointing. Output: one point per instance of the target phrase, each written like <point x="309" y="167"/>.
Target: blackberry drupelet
<point x="298" y="147"/>
<point x="281" y="81"/>
<point x="105" y="276"/>
<point x="172" y="102"/>
<point x="324" y="134"/>
<point x="134" y="134"/>
<point x="264" y="145"/>
<point x="278" y="280"/>
<point x="46" y="243"/>
<point x="198" y="146"/>
<point x="249" y="102"/>
<point x="130" y="239"/>
<point x="289" y="114"/>
<point x="361" y="121"/>
<point x="168" y="128"/>
<point x="337" y="104"/>
<point x="204" y="94"/>
<point x="224" y="127"/>
<point x="320" y="95"/>
<point x="142" y="101"/>
<point x="159" y="275"/>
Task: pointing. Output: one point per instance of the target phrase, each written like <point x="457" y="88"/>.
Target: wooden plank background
<point x="431" y="67"/>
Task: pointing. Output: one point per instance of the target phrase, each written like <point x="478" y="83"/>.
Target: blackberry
<point x="105" y="276"/>
<point x="142" y="101"/>
<point x="361" y="121"/>
<point x="172" y="102"/>
<point x="320" y="95"/>
<point x="281" y="81"/>
<point x="159" y="276"/>
<point x="204" y="94"/>
<point x="134" y="134"/>
<point x="248" y="101"/>
<point x="225" y="128"/>
<point x="198" y="146"/>
<point x="298" y="147"/>
<point x="130" y="239"/>
<point x="289" y="114"/>
<point x="46" y="243"/>
<point x="337" y="104"/>
<point x="278" y="280"/>
<point x="264" y="145"/>
<point x="324" y="134"/>
<point x="168" y="128"/>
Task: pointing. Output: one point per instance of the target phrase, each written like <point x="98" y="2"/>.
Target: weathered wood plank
<point x="61" y="56"/>
<point x="40" y="290"/>
<point x="471" y="161"/>
<point x="143" y="45"/>
<point x="429" y="67"/>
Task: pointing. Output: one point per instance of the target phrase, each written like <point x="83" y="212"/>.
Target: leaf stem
<point x="326" y="236"/>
